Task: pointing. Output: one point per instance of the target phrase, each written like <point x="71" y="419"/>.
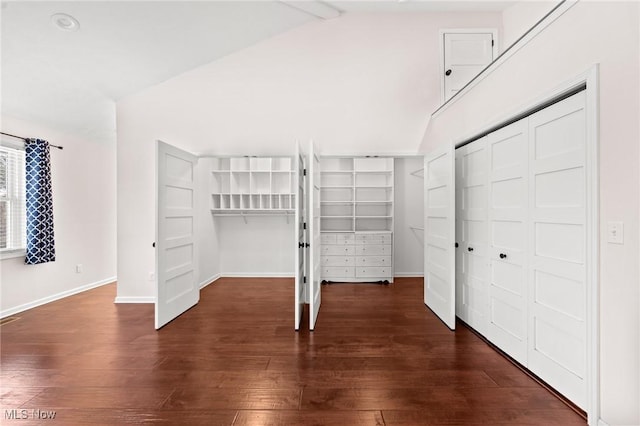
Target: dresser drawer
<point x="373" y="239"/>
<point x="337" y="261"/>
<point x="328" y="238"/>
<point x="338" y="272"/>
<point x="373" y="261"/>
<point x="373" y="250"/>
<point x="345" y="238"/>
<point x="373" y="272"/>
<point x="337" y="250"/>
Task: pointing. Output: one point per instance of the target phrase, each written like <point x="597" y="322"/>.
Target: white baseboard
<point x="408" y="274"/>
<point x="54" y="297"/>
<point x="602" y="423"/>
<point x="135" y="299"/>
<point x="209" y="280"/>
<point x="257" y="275"/>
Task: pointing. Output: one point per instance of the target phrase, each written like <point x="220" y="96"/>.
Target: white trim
<point x="135" y="299"/>
<point x="54" y="297"/>
<point x="257" y="275"/>
<point x="590" y="78"/>
<point x="397" y="154"/>
<point x="209" y="280"/>
<point x="10" y="254"/>
<point x="408" y="274"/>
<point x="442" y="32"/>
<point x="507" y="53"/>
<point x="602" y="423"/>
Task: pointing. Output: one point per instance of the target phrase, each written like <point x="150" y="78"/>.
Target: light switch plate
<point x="615" y="232"/>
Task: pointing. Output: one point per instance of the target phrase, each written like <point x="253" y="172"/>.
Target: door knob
<point x="470" y="248"/>
<point x="503" y="256"/>
<point x="456" y="245"/>
<point x="447" y="72"/>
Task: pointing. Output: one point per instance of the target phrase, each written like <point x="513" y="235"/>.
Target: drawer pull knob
<point x="469" y="248"/>
<point x="503" y="256"/>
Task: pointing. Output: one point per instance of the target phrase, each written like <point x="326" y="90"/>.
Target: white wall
<point x="84" y="197"/>
<point x="408" y="257"/>
<point x="589" y="33"/>
<point x="264" y="246"/>
<point x="358" y="83"/>
<point x="207" y="239"/>
<point x="521" y="16"/>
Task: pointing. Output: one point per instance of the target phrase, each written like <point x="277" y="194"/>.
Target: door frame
<point x="443" y="31"/>
<point x="590" y="80"/>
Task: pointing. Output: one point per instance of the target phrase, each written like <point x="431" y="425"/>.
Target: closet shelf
<point x="347" y="203"/>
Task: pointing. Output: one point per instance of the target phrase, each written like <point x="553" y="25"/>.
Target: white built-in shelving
<point x="252" y="185"/>
<point x="356" y="194"/>
<point x="356" y="214"/>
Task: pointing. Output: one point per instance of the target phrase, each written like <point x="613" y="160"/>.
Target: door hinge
<point x="304" y="225"/>
<point x="304" y="280"/>
<point x="492" y="42"/>
<point x="304" y="172"/>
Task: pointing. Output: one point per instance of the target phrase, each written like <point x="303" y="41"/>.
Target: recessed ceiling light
<point x="65" y="22"/>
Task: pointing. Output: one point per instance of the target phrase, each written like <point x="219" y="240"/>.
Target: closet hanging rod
<point x="25" y="139"/>
<point x="415" y="173"/>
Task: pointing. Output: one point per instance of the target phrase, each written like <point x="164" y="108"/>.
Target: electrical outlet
<point x="152" y="276"/>
<point x="79" y="268"/>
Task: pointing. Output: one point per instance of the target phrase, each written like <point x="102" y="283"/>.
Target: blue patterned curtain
<point x="40" y="246"/>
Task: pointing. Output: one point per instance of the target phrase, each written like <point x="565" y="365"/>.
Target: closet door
<point x="300" y="237"/>
<point x="557" y="234"/>
<point x="508" y="219"/>
<point x="315" y="287"/>
<point x="473" y="237"/>
<point x="461" y="311"/>
<point x="439" y="234"/>
<point x="176" y="258"/>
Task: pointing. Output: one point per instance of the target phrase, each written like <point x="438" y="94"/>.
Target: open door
<point x="313" y="214"/>
<point x="300" y="238"/>
<point x="176" y="270"/>
<point x="439" y="234"/>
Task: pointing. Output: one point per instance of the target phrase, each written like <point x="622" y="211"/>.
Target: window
<point x="12" y="201"/>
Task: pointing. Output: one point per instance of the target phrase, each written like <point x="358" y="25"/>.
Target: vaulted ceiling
<point x="72" y="79"/>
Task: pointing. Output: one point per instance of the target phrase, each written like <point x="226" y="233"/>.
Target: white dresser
<point x="361" y="256"/>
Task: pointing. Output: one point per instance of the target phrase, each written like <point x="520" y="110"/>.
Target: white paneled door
<point x="508" y="220"/>
<point x="439" y="228"/>
<point x="465" y="55"/>
<point x="315" y="287"/>
<point x="557" y="247"/>
<point x="472" y="243"/>
<point x="176" y="271"/>
<point x="300" y="238"/>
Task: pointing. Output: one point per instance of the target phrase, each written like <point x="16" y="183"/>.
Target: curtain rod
<point x="25" y="139"/>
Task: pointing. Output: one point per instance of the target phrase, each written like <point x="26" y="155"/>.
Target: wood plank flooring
<point x="377" y="357"/>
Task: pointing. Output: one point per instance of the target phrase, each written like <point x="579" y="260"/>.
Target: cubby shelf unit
<point x="252" y="185"/>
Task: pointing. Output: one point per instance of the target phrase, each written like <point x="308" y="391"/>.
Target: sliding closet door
<point x="472" y="244"/>
<point x="557" y="247"/>
<point x="508" y="220"/>
<point x="439" y="234"/>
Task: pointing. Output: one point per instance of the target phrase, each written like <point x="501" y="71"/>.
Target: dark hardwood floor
<point x="377" y="357"/>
